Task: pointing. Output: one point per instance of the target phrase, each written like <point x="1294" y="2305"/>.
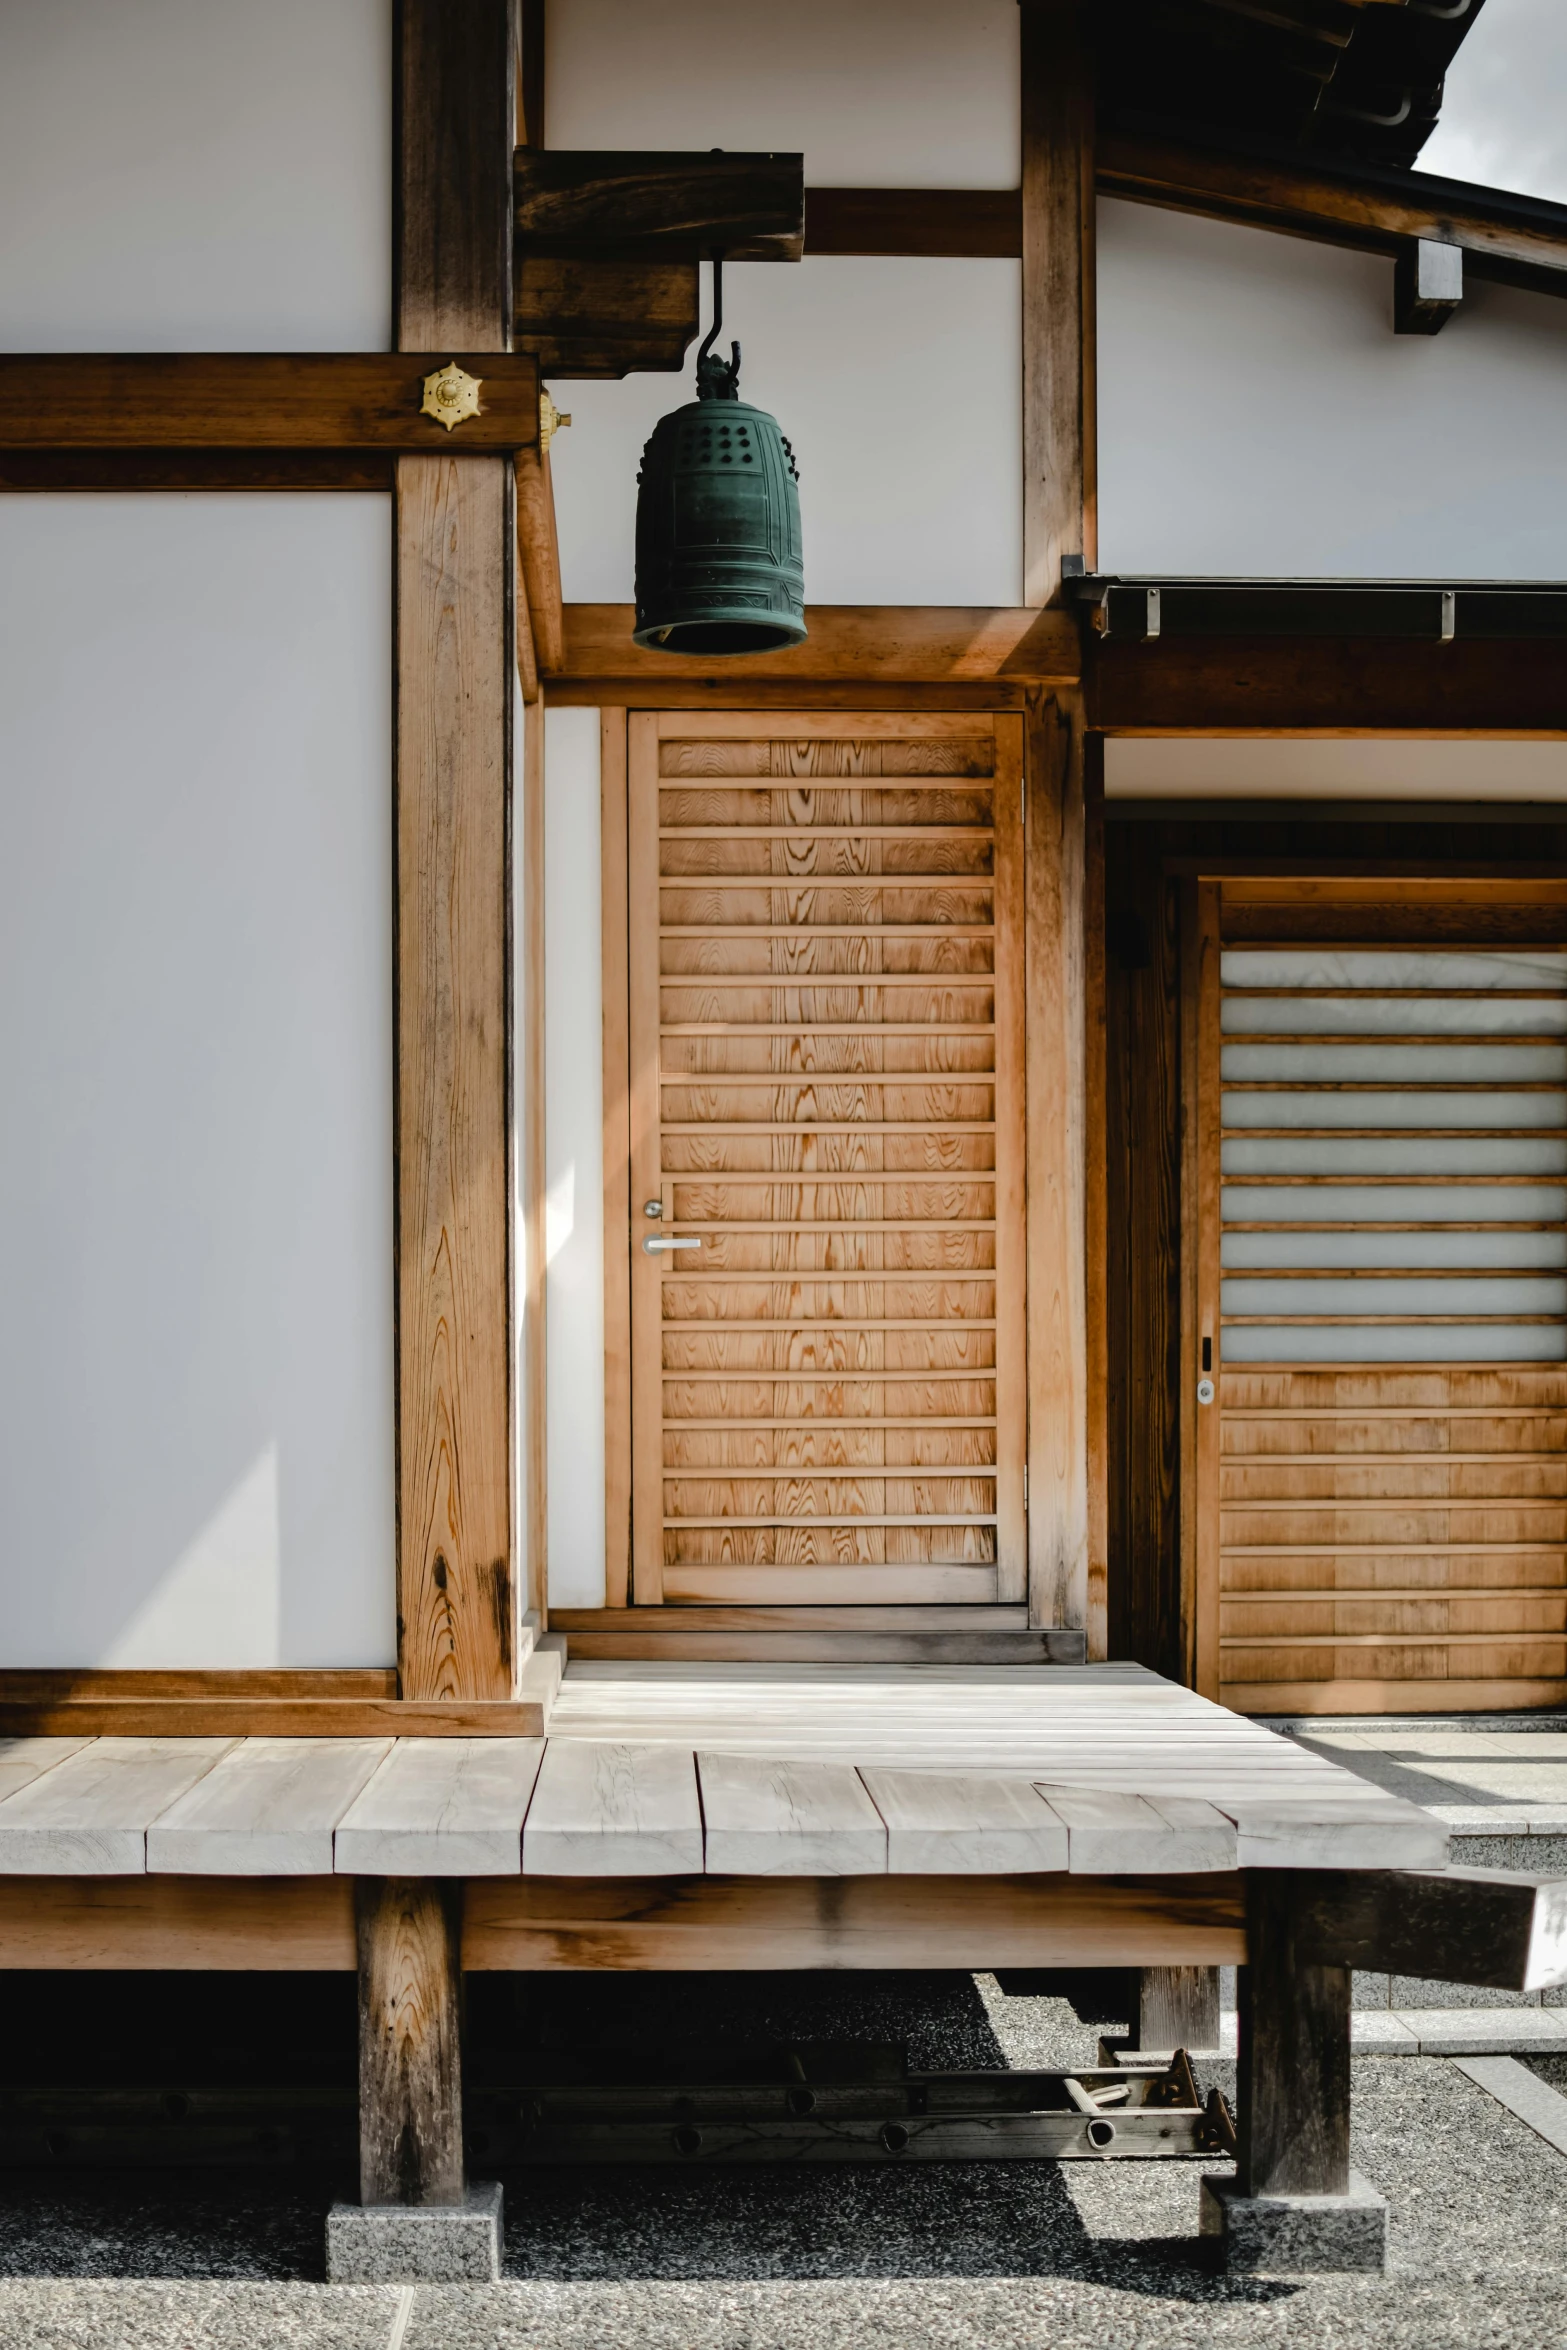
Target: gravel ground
<point x="953" y="2257"/>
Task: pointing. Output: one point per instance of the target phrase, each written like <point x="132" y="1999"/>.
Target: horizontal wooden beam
<point x="659" y="205"/>
<point x="271" y="1717"/>
<point x="1497" y="1928"/>
<point x="530" y="1923"/>
<point x="1515" y="239"/>
<point x="286" y="1924"/>
<point x="971" y="224"/>
<point x="596" y="318"/>
<point x="1328" y="685"/>
<point x="929" y="643"/>
<point x="260" y="400"/>
<point x="196" y="469"/>
<point x="1518" y="240"/>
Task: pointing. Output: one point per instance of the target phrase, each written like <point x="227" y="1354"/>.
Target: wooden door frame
<point x="1059" y="1002"/>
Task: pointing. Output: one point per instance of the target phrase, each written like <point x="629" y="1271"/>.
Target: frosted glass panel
<point x="1356" y="967"/>
<point x="1516" y="1251"/>
<point x="1409" y="1342"/>
<point x="1368" y="1080"/>
<point x="1420" y="1064"/>
<point x="1333" y="1154"/>
<point x="1391" y="1294"/>
<point x="1396" y="1203"/>
<point x="1347" y="1015"/>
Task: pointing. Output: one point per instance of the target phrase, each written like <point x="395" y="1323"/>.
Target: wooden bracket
<point x="1428" y="286"/>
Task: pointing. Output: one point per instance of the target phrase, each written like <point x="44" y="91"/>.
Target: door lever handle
<point x="658" y="1248"/>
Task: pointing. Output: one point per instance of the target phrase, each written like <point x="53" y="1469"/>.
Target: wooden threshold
<point x="968" y="1635"/>
<point x="292" y="1924"/>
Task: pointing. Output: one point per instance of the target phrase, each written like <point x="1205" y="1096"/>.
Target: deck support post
<point x="1178" y="2007"/>
<point x="417" y="2220"/>
<point x="1294" y="2204"/>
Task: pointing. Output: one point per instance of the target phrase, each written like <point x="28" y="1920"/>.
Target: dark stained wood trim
<point x="458" y="1600"/>
<point x="1328" y="685"/>
<point x="283" y="400"/>
<point x="196" y="469"/>
<point x="975" y="224"/>
<point x="929" y="643"/>
<point x="1503" y="237"/>
<point x="530" y="72"/>
<point x="659" y="205"/>
<point x="1060" y="497"/>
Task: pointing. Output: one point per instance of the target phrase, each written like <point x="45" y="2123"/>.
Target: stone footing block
<point x="1290" y="2235"/>
<point x="416" y="2244"/>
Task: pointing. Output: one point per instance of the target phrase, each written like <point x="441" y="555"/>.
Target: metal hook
<point x="724" y="375"/>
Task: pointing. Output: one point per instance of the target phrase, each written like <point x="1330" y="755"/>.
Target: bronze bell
<point x="719" y="562"/>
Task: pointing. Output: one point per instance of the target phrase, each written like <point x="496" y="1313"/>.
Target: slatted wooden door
<point x="1386" y="1475"/>
<point x="826" y="963"/>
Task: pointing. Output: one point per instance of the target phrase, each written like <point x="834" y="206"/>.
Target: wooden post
<point x="1060" y="496"/>
<point x="1294" y="2053"/>
<point x="1058" y="1546"/>
<point x="1178" y="2007"/>
<point x="1096" y="1203"/>
<point x="457" y="1597"/>
<point x="410" y="2077"/>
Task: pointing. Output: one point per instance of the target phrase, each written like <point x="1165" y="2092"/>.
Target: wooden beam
<point x="956" y="223"/>
<point x="1058" y="1510"/>
<point x="1515" y="239"/>
<point x="236" y="1716"/>
<point x="1330" y="686"/>
<point x="1498" y="1928"/>
<point x="265" y="400"/>
<point x="586" y="204"/>
<point x="1060" y="498"/>
<point x="538" y="548"/>
<point x="594" y="318"/>
<point x="935" y="643"/>
<point x="457" y="1595"/>
<point x="196" y="469"/>
<point x="283" y="1925"/>
<point x="1178" y="2007"/>
<point x="409" y="1934"/>
<point x="525" y="1924"/>
<point x="1294" y="2053"/>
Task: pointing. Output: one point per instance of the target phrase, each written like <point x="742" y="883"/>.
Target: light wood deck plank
<point x="963" y="1824"/>
<point x="22" y="1760"/>
<point x="772" y="1817"/>
<point x="613" y="1810"/>
<point x="267" y="1809"/>
<point x="1112" y="1833"/>
<point x="89" y="1816"/>
<point x="441" y="1807"/>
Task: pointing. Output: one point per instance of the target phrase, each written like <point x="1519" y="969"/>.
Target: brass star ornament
<point x="450" y="395"/>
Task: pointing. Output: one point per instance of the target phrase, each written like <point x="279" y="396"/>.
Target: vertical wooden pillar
<point x="1060" y="495"/>
<point x="410" y="2075"/>
<point x="1096" y="1203"/>
<point x="1178" y="2007"/>
<point x="1058" y="1547"/>
<point x="457" y="1598"/>
<point x="1294" y="2054"/>
<point x="534" y="1170"/>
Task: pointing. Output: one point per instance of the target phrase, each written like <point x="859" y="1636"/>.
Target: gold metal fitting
<point x="550" y="420"/>
<point x="450" y="394"/>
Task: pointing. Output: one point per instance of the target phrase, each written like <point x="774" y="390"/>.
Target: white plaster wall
<point x="876" y="93"/>
<point x="898" y="383"/>
<point x="574" y="1159"/>
<point x="1317" y="768"/>
<point x="1258" y="414"/>
<point x="195" y="174"/>
<point x="195" y="1060"/>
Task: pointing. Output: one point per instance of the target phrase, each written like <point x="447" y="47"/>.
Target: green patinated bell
<point x="719" y="563"/>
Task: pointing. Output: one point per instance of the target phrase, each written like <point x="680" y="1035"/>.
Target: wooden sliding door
<point x="1381" y="1166"/>
<point x="826" y="1131"/>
